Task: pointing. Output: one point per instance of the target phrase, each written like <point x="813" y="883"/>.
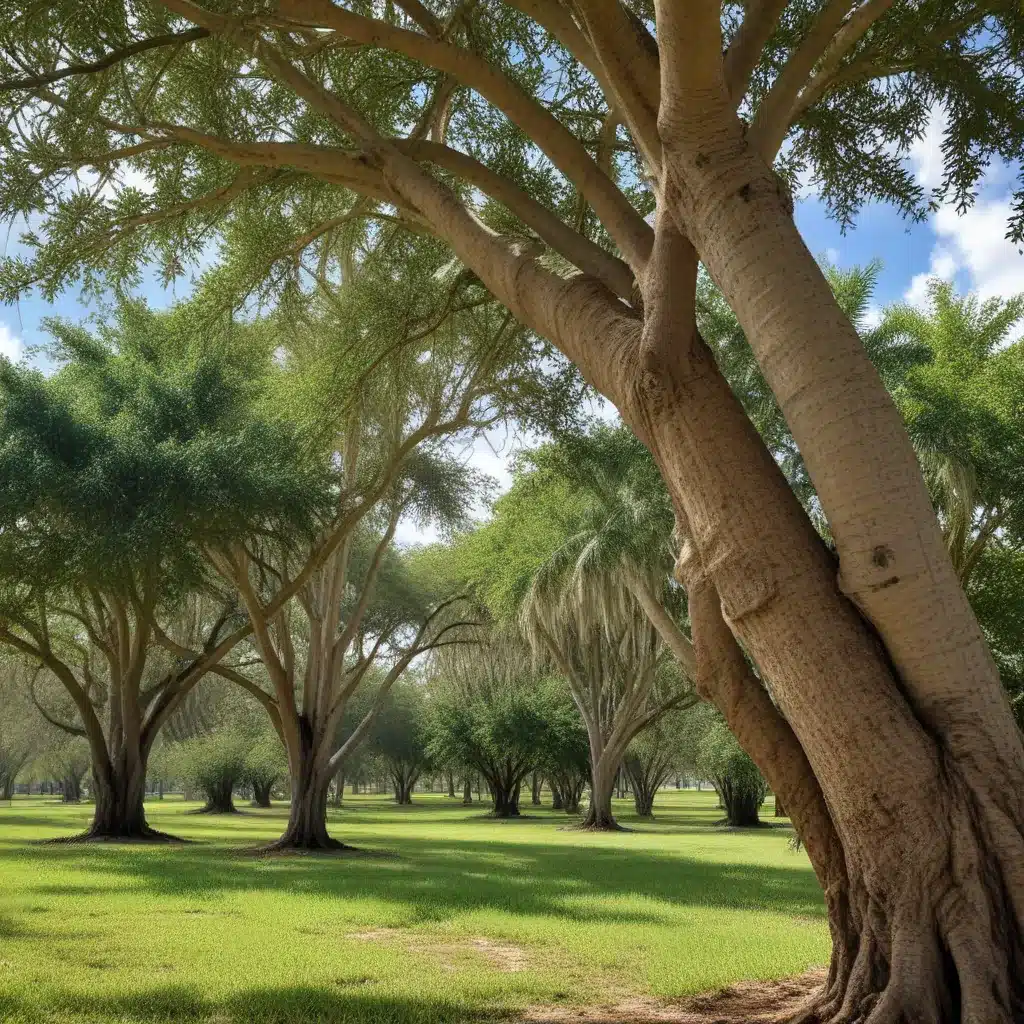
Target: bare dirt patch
<point x="502" y="956"/>
<point x="747" y="1002"/>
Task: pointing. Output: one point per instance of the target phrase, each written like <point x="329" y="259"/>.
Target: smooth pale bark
<point x="908" y="845"/>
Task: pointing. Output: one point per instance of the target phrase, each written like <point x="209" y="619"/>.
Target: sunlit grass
<point x="445" y="915"/>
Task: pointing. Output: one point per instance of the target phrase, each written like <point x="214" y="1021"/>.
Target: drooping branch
<point x="829" y="38"/>
<point x="67" y="727"/>
<point x="624" y="224"/>
<point x="107" y="61"/>
<point x="575" y="247"/>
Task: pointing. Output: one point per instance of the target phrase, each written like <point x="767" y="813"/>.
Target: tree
<point x="265" y="764"/>
<point x="214" y="765"/>
<point x="740" y="785"/>
<point x="565" y="756"/>
<point x="400" y="737"/>
<point x="653" y="757"/>
<point x="578" y="553"/>
<point x="486" y="714"/>
<point x="146" y="447"/>
<point x="568" y="126"/>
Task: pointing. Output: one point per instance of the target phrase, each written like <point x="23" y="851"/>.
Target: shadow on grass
<point x="434" y="879"/>
<point x="350" y="1000"/>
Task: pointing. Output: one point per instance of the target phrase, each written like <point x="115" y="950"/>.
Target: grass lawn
<point x="446" y="915"/>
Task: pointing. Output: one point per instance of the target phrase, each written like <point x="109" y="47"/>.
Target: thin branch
<point x="74" y="730"/>
<point x="745" y="49"/>
<point x="624" y="224"/>
<point x="107" y="61"/>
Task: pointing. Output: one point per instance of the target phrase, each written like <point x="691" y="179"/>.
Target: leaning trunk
<point x="930" y="922"/>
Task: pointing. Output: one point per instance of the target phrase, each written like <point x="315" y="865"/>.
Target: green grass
<point x="209" y="932"/>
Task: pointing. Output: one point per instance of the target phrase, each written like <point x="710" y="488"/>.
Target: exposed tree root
<point x="91" y="835"/>
<point x="324" y="844"/>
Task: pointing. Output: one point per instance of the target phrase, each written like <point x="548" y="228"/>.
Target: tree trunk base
<point x="309" y="844"/>
<point x="101" y="835"/>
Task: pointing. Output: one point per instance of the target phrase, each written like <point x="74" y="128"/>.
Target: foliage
<point x="740" y="785"/>
<point x="214" y="765"/>
<point x="400" y="736"/>
<point x="146" y="444"/>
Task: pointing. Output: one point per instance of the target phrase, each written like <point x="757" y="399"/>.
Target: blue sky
<point x="970" y="249"/>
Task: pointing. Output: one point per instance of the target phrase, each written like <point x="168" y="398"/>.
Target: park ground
<point x="444" y="915"/>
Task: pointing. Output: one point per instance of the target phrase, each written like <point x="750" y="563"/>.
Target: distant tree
<point x="214" y="765"/>
<point x="400" y="739"/>
<point x="565" y="754"/>
<point x="655" y="756"/>
<point x="486" y="713"/>
<point x="740" y="784"/>
<point x="265" y="764"/>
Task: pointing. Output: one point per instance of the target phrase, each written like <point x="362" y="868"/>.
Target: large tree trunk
<point x="505" y="793"/>
<point x="467" y="792"/>
<point x="935" y="911"/>
<point x="307" y="814"/>
<point x="119" y="810"/>
<point x="536" y="782"/>
<point x="599" y="814"/>
<point x="451" y="785"/>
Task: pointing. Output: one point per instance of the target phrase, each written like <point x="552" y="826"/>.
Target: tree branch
<point x="744" y="51"/>
<point x="632" y="234"/>
<point x="847" y="37"/>
<point x="827" y="40"/>
<point x="575" y="247"/>
<point x="107" y="61"/>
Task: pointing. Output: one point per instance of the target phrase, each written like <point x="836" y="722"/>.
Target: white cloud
<point x="926" y="152"/>
<point x="872" y="317"/>
<point x="977" y="242"/>
<point x="10" y="344"/>
<point x="972" y="246"/>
